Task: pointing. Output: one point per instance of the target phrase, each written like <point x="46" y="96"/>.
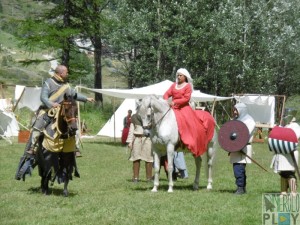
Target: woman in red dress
<point x="193" y="133"/>
<point x="126" y="124"/>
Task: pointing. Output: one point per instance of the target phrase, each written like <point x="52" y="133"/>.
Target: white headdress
<point x="187" y="75"/>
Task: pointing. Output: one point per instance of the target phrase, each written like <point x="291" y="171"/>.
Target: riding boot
<point x="293" y="186"/>
<point x="30" y="151"/>
<point x="35" y="142"/>
<point x="284" y="186"/>
<point x="148" y="166"/>
<point x="136" y="171"/>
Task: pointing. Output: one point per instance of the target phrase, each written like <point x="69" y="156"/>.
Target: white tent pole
<point x="114" y="116"/>
<point x="213" y="107"/>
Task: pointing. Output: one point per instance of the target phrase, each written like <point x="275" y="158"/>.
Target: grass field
<point x="105" y="194"/>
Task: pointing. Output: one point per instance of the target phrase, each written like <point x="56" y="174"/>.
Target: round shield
<point x="282" y="140"/>
<point x="233" y="136"/>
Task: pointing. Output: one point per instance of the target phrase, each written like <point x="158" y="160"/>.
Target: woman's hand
<point x="171" y="103"/>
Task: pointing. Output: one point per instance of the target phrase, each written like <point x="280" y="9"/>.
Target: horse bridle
<point x="63" y="112"/>
<point x="66" y="105"/>
<point x="159" y="121"/>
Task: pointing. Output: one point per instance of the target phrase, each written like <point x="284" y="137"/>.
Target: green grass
<point x="105" y="194"/>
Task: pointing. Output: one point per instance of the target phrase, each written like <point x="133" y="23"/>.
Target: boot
<point x="136" y="171"/>
<point x="240" y="191"/>
<point x="31" y="151"/>
<point x="284" y="186"/>
<point x="293" y="186"/>
<point x="148" y="166"/>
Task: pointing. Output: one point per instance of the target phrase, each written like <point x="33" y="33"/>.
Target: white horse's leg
<point x="170" y="154"/>
<point x="156" y="171"/>
<point x="198" y="161"/>
<point x="210" y="157"/>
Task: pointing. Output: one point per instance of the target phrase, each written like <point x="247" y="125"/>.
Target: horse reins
<point x="160" y="118"/>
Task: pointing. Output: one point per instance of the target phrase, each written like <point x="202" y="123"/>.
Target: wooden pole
<point x="295" y="164"/>
<point x="15" y="106"/>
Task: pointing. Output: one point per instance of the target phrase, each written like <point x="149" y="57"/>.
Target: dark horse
<point x="55" y="158"/>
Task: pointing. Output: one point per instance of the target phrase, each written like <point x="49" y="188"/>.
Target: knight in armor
<point x="283" y="163"/>
<point x="52" y="94"/>
<point x="140" y="144"/>
<point x="239" y="159"/>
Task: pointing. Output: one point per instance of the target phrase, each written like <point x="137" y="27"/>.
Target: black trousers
<point x="239" y="170"/>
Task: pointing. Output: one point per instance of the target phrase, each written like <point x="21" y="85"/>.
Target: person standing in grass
<point x="126" y="125"/>
<point x="283" y="163"/>
<point x="239" y="159"/>
<point x="140" y="144"/>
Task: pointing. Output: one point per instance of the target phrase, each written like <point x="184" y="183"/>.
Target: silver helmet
<point x="289" y="115"/>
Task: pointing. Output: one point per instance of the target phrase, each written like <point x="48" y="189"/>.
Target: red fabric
<point x="208" y="122"/>
<point x="191" y="128"/>
<point x="283" y="133"/>
<point x="127" y="121"/>
<point x="125" y="135"/>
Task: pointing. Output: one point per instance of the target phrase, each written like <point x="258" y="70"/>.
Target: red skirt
<point x="125" y="135"/>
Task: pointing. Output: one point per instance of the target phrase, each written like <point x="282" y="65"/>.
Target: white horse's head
<point x="144" y="110"/>
<point x="152" y="110"/>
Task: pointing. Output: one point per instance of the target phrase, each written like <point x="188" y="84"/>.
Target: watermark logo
<point x="280" y="209"/>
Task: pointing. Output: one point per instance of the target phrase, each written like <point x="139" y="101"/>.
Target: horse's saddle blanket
<point x="54" y="142"/>
<point x="59" y="145"/>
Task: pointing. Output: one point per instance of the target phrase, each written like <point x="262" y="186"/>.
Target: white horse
<point x="157" y="115"/>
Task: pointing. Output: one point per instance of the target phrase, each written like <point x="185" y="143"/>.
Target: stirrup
<point x="30" y="152"/>
<point x="78" y="154"/>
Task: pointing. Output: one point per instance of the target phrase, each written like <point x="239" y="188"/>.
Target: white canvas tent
<point x="260" y="107"/>
<point x="28" y="97"/>
<point x="8" y="124"/>
<point x="158" y="89"/>
<point x="114" y="126"/>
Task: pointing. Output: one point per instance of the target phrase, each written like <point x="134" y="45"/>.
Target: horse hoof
<point x="46" y="192"/>
<point x="209" y="187"/>
<point x="66" y="194"/>
<point x="154" y="190"/>
<point x="170" y="190"/>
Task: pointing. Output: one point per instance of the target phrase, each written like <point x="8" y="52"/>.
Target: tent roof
<point x="158" y="89"/>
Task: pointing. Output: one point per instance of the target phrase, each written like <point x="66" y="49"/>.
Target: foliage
<point x="228" y="46"/>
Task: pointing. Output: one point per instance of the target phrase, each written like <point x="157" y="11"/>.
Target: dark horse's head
<point x="69" y="115"/>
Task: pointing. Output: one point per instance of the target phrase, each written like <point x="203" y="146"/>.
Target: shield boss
<point x="233" y="136"/>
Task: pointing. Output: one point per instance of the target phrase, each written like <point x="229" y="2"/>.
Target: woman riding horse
<point x="191" y="123"/>
<point x="178" y="126"/>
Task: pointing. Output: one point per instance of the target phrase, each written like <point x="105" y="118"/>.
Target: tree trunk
<point x="98" y="68"/>
<point x="65" y="58"/>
